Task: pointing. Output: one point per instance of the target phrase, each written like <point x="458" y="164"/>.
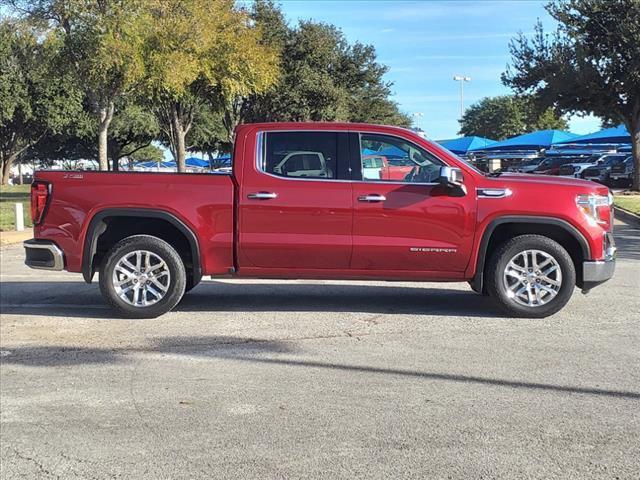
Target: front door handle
<point x="373" y="197"/>
<point x="262" y="196"/>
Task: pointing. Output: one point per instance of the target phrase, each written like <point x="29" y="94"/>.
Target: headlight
<point x="597" y="208"/>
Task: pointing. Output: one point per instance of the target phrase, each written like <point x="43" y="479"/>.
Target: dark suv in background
<point x="600" y="173"/>
<point x="622" y="172"/>
<point x="551" y="165"/>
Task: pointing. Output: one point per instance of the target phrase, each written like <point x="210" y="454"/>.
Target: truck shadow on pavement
<point x="271" y="352"/>
<point x="76" y="299"/>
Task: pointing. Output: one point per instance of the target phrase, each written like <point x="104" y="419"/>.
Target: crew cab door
<point x="406" y="220"/>
<point x="295" y="209"/>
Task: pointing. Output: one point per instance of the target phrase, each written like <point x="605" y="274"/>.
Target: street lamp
<point x="461" y="79"/>
<point x="417" y="116"/>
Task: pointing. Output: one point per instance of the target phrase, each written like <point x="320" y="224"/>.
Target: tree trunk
<point x="180" y="133"/>
<point x="19" y="173"/>
<point x="106" y="115"/>
<point x="114" y="151"/>
<point x="6" y="168"/>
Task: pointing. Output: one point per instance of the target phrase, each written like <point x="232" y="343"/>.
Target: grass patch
<point x="9" y="196"/>
<point x="628" y="202"/>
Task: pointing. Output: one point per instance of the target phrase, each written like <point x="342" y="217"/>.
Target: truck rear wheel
<point x="142" y="277"/>
<point x="530" y="276"/>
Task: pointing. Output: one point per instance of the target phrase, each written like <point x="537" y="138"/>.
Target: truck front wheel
<point x="530" y="276"/>
<point x="142" y="277"/>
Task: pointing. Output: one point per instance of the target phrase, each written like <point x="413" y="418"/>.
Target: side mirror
<point x="450" y="177"/>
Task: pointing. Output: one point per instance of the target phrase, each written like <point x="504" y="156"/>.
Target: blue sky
<point x="425" y="43"/>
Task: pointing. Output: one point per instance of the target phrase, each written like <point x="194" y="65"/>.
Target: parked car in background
<point x="580" y="164"/>
<point x="527" y="166"/>
<point x="622" y="172"/>
<point x="551" y="165"/>
<point x="298" y="205"/>
<point x="600" y="172"/>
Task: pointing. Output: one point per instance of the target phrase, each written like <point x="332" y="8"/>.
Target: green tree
<point x="103" y="48"/>
<point x="149" y="153"/>
<point x="201" y="51"/>
<point x="36" y="99"/>
<point x="590" y="65"/>
<point x="209" y="133"/>
<point x="323" y="77"/>
<point x="506" y="116"/>
<point x="133" y="129"/>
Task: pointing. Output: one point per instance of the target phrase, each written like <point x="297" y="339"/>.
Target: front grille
<point x="592" y="172"/>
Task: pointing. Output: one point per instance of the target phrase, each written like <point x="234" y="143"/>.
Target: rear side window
<point x="300" y="154"/>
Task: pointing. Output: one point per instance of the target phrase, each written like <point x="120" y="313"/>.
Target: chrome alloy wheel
<point x="532" y="278"/>
<point x="141" y="278"/>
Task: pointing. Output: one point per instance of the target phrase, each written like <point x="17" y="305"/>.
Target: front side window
<point x="392" y="159"/>
<point x="300" y="154"/>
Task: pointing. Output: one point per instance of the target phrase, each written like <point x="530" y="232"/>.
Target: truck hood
<point x="509" y="177"/>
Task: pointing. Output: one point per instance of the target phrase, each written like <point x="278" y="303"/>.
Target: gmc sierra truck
<point x="298" y="206"/>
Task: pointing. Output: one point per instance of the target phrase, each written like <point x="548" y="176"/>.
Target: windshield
<point x="612" y="159"/>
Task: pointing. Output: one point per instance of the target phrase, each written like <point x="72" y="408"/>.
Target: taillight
<point x="39" y="197"/>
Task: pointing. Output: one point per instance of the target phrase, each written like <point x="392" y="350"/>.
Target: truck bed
<point x="202" y="202"/>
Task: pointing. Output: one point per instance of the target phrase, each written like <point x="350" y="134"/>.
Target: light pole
<point x="416" y="118"/>
<point x="461" y="79"/>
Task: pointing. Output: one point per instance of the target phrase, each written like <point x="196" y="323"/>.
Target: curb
<point x="627" y="216"/>
<point x="12" y="238"/>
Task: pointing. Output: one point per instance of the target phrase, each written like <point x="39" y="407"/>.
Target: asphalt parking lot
<point x="309" y="379"/>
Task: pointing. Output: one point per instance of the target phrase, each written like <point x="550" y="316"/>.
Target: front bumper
<point x="43" y="255"/>
<point x="596" y="272"/>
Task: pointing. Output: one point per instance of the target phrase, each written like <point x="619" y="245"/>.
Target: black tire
<point x="176" y="285"/>
<point x="508" y="250"/>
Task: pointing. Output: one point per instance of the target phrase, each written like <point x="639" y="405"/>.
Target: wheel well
<point x="109" y="230"/>
<point x="564" y="237"/>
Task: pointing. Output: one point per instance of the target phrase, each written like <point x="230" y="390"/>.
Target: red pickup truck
<point x="297" y="205"/>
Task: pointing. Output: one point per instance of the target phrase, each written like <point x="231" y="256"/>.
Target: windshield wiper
<point x="497" y="173"/>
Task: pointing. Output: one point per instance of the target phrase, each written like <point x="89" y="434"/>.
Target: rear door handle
<point x="373" y="197"/>
<point x="262" y="196"/>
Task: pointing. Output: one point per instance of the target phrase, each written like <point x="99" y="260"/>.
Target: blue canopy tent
<point x="152" y="164"/>
<point x="617" y="134"/>
<point x="392" y="152"/>
<point x="195" y="162"/>
<point x="368" y="151"/>
<point x="533" y="140"/>
<point x="463" y="145"/>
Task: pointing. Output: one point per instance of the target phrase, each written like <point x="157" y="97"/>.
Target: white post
<point x="19" y="218"/>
